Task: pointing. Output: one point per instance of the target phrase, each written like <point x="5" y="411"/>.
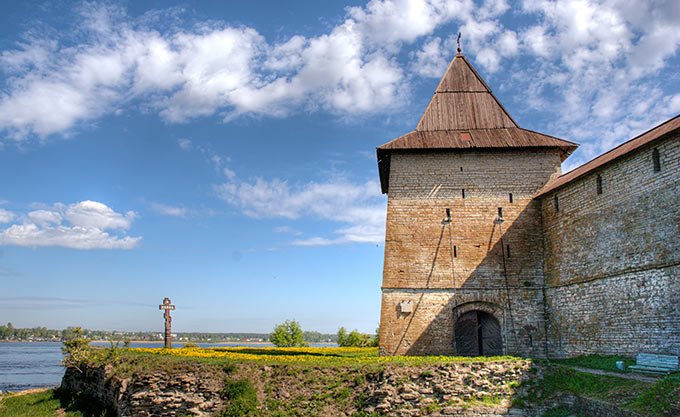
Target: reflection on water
<point x="26" y="365"/>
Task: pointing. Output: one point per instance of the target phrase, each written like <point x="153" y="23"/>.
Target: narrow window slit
<point x="656" y="160"/>
<point x="599" y="184"/>
<point x="455" y="251"/>
<point x="557" y="204"/>
<point x="507" y="247"/>
<point x="510" y="197"/>
<point x="462" y="192"/>
<point x="500" y="212"/>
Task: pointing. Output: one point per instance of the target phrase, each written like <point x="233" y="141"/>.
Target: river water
<point x="27" y="365"/>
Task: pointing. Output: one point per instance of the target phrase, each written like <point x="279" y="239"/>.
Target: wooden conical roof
<point x="463" y="101"/>
<point x="464" y="114"/>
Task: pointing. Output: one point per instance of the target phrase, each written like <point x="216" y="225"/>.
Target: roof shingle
<point x="616" y="153"/>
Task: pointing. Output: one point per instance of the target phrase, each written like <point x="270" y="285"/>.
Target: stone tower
<point x="463" y="272"/>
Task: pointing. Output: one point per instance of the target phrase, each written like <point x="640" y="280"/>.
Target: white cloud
<point x="6" y="216"/>
<point x="597" y="62"/>
<point x="93" y="215"/>
<point x="229" y="173"/>
<point x="492" y="8"/>
<point x="508" y="45"/>
<point x="431" y="59"/>
<point x="82" y="225"/>
<point x="360" y="207"/>
<point x="45" y="217"/>
<point x="170" y="210"/>
<point x="483" y="36"/>
<point x="317" y="241"/>
<point x="589" y="67"/>
<point x="387" y="22"/>
<point x="184" y="144"/>
<point x="205" y="70"/>
<point x="286" y="56"/>
<point x="287" y="229"/>
<point x="213" y="68"/>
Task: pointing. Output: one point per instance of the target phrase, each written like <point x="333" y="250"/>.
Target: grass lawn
<point x="49" y="402"/>
<point x="130" y="361"/>
<point x="38" y="404"/>
<point x="604" y="363"/>
<point x="317" y="356"/>
<point x="660" y="398"/>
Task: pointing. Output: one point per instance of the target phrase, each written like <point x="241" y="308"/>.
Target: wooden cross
<point x="167" y="306"/>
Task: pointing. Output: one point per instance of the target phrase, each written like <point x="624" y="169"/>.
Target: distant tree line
<point x="290" y="334"/>
<point x="9" y="332"/>
<point x="356" y="339"/>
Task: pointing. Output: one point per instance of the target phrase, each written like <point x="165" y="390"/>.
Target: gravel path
<point x="637" y="377"/>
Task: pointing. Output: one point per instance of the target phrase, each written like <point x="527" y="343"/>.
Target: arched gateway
<point x="478" y="333"/>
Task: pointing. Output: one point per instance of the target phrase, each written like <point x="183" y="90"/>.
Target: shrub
<point x="342" y="336"/>
<point x="242" y="398"/>
<point x="356" y="339"/>
<point x="288" y="334"/>
<point x="77" y="351"/>
<point x="113" y="351"/>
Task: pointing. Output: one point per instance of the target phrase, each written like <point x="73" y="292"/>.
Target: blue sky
<point x="222" y="154"/>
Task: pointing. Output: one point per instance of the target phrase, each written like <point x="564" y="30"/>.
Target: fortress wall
<point x="418" y="246"/>
<point x="612" y="260"/>
<point x="624" y="315"/>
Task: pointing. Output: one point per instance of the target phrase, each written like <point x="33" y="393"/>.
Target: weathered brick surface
<point x="420" y="265"/>
<point x="612" y="260"/>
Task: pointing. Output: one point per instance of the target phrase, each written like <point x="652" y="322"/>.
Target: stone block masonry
<point x="429" y="330"/>
<point x="455" y="389"/>
<point x="612" y="258"/>
<point x="624" y="314"/>
<point x="471" y="389"/>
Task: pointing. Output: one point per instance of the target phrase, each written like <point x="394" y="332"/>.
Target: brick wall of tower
<point x="612" y="260"/>
<point x="419" y="247"/>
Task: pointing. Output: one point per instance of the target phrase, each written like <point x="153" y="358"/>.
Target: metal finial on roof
<point x="458" y="40"/>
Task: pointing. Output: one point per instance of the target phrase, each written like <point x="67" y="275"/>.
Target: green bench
<point x="655" y="364"/>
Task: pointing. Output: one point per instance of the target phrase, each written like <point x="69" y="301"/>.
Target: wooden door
<point x="478" y="334"/>
<point x="467" y="340"/>
<point x="492" y="343"/>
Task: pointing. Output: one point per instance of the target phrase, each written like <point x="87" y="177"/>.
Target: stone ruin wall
<point x="612" y="261"/>
<point x="393" y="390"/>
<point x="418" y="249"/>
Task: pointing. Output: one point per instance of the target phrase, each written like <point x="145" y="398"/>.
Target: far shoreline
<point x="149" y="342"/>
